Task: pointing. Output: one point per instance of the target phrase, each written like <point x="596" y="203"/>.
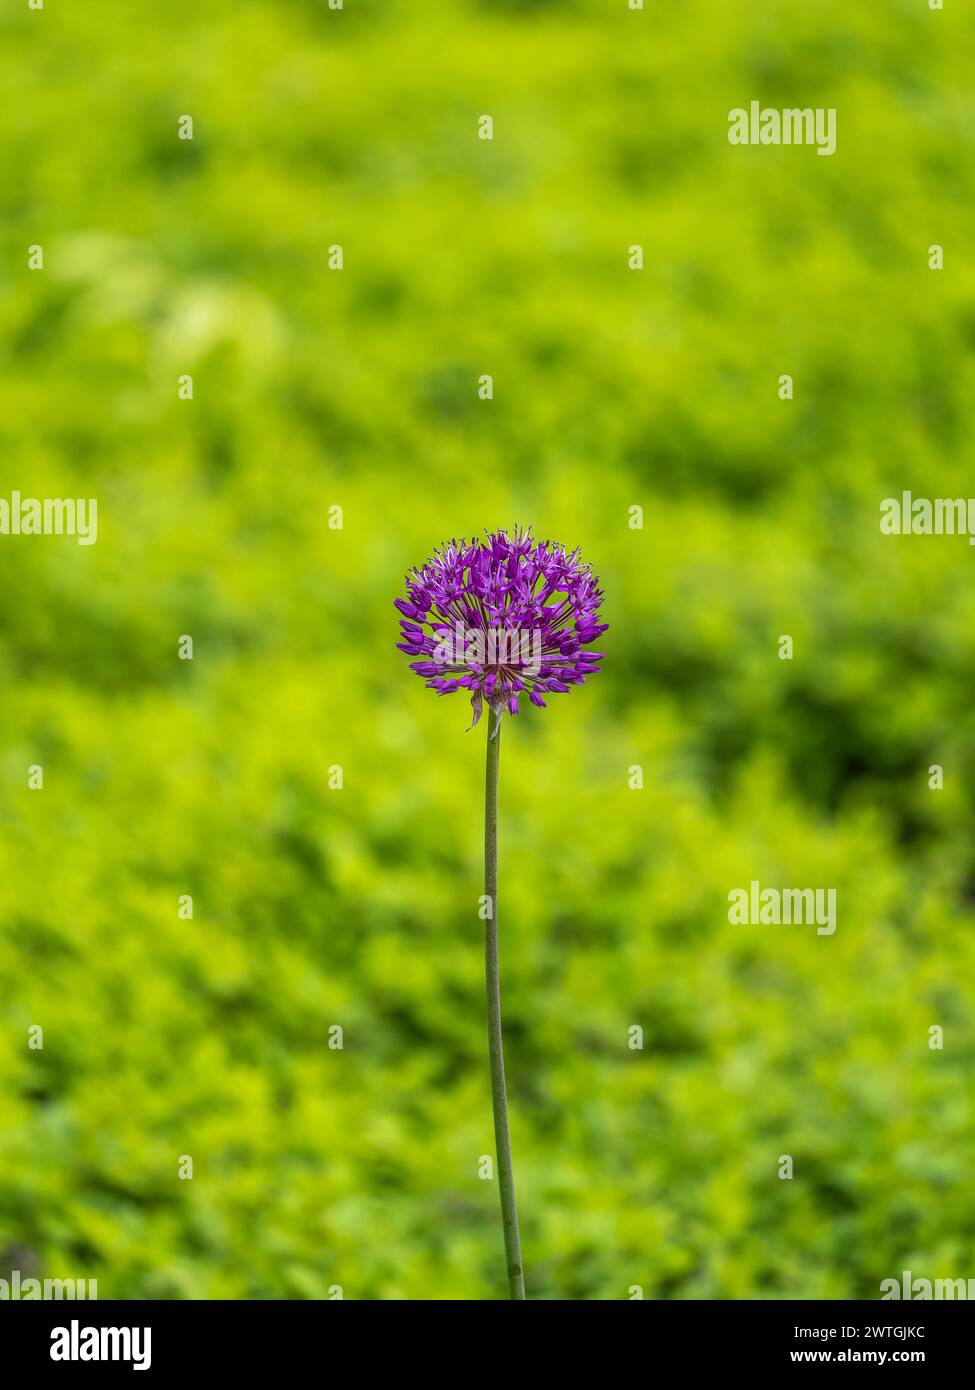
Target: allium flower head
<point x="502" y="617"/>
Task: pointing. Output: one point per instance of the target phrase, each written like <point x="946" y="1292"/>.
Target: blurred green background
<point x="357" y="388"/>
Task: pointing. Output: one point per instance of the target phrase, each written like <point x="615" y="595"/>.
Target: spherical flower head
<point x="503" y="618"/>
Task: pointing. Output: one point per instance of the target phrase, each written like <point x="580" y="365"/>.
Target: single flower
<point x="501" y="617"/>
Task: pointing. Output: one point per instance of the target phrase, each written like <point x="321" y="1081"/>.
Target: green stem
<point x="499" y="1095"/>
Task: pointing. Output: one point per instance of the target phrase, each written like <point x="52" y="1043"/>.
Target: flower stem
<point x="499" y="1095"/>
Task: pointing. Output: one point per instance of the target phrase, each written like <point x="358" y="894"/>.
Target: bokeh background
<point x="358" y="388"/>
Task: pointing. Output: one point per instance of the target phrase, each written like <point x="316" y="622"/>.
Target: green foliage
<point x="358" y="388"/>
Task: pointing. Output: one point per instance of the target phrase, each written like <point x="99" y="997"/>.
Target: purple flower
<point x="502" y="617"/>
